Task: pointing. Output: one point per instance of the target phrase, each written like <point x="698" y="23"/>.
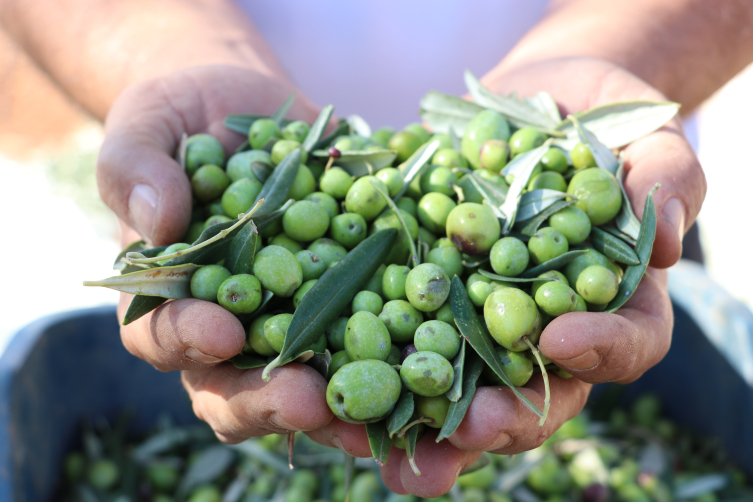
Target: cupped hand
<point x="594" y="347"/>
<point x="140" y="180"/>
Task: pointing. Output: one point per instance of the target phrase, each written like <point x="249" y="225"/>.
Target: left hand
<point x="594" y="347"/>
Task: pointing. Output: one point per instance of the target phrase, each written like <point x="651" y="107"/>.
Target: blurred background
<point x="56" y="222"/>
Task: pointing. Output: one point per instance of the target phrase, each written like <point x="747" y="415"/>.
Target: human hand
<point x="148" y="190"/>
<point x="594" y="347"/>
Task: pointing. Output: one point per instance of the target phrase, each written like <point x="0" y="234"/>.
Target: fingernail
<point x="277" y="421"/>
<point x="142" y="206"/>
<point x="504" y="440"/>
<point x="585" y="361"/>
<point x="195" y="354"/>
<point x="338" y="443"/>
<point x="674" y="212"/>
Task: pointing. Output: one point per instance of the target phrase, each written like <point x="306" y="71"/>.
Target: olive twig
<point x="291" y="442"/>
<point x="423" y="420"/>
<point x="536" y="354"/>
<point x="138" y="258"/>
<point x="391" y="203"/>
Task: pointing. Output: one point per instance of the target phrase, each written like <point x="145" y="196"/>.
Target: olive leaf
<point x="317" y="129"/>
<point x="208" y="466"/>
<point x="456" y="391"/>
<point x="246" y="362"/>
<point x="554" y="263"/>
<point x="534" y="202"/>
<point x="444" y="113"/>
<point x="494" y="195"/>
<point x="479" y="464"/>
<point x="167" y="282"/>
<point x="544" y="102"/>
<point x="626" y="220"/>
<point x="474" y="364"/>
<point x="454" y="139"/>
<point x="603" y="156"/>
<point x="612" y="229"/>
<point x="618" y="124"/>
<point x="271" y="142"/>
<point x="342" y="128"/>
<point x="358" y="125"/>
<point x="532" y="226"/>
<point x="527" y="163"/>
<point x="613" y="247"/>
<point x="477" y="335"/>
<point x="350" y="467"/>
<point x="241" y="123"/>
<point x="413" y="252"/>
<point x="180" y="156"/>
<point x="361" y="163"/>
<point x="276" y="188"/>
<point x="134" y="247"/>
<point x="283" y="110"/>
<point x="331" y="294"/>
<point x="643" y="247"/>
<point x="415" y="165"/>
<point x="261" y="170"/>
<point x="519" y="113"/>
<point x="211" y="253"/>
<point x="242" y="147"/>
<point x="411" y="438"/>
<point x="240" y="256"/>
<point x="379" y="441"/>
<point x="473" y="261"/>
<point x="496" y="277"/>
<point x="140" y="306"/>
<point x="401" y="413"/>
<point x="266" y="297"/>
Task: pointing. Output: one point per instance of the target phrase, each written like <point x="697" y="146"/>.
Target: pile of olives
<point x="632" y="454"/>
<point x="399" y="332"/>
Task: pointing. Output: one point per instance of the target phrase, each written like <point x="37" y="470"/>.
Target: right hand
<point x="140" y="180"/>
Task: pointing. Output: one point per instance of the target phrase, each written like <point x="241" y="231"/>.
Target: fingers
<point x="182" y="334"/>
<point x="350" y="438"/>
<point x="619" y="347"/>
<point x="439" y="463"/>
<point x="238" y="404"/>
<point x="497" y="421"/>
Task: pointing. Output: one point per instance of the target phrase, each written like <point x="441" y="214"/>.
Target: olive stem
<point x="423" y="420"/>
<point x="291" y="442"/>
<point x="536" y="354"/>
<point x="138" y="258"/>
<point x="413" y="251"/>
<point x="265" y="375"/>
<point x="329" y="164"/>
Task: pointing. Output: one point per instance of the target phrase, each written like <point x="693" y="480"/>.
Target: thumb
<point x="136" y="173"/>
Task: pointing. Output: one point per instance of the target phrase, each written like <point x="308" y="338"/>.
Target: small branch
<point x="546" y="379"/>
<point x="414" y="252"/>
<point x="138" y="258"/>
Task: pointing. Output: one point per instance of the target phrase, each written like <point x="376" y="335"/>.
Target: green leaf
<point x="167" y="282"/>
<point x="613" y="247"/>
<point x="140" y="306"/>
<point x="242" y="147"/>
<point x="212" y="253"/>
<point x="266" y="297"/>
<point x="241" y="123"/>
<point x="265" y="220"/>
<point x="361" y="163"/>
<point x="519" y="113"/>
<point x="534" y="202"/>
<point x="358" y="125"/>
<point x="612" y="229"/>
<point x="276" y="188"/>
<point x="456" y="391"/>
<point x="332" y="293"/>
<point x="643" y="247"/>
<point x="455" y="140"/>
<point x="411" y="438"/>
<point x="544" y="102"/>
<point x="147" y="253"/>
<point x="261" y="170"/>
<point x="444" y="112"/>
<point x="401" y="413"/>
<point x="494" y="195"/>
<point x="523" y="167"/>
<point x="321" y="362"/>
<point x="415" y="165"/>
<point x="246" y="362"/>
<point x="342" y="128"/>
<point x="210" y="464"/>
<point x="479" y="464"/>
<point x="379" y="441"/>
<point x="181" y="153"/>
<point x="603" y="156"/>
<point x="554" y="263"/>
<point x="532" y="225"/>
<point x="618" y="124"/>
<point x="455" y="414"/>
<point x="317" y="129"/>
<point x="240" y="256"/>
<point x="477" y="335"/>
<point x="496" y="277"/>
<point x="283" y="110"/>
<point x="626" y="220"/>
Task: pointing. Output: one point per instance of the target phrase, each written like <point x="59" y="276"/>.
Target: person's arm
<point x="686" y="49"/>
<point x="95" y="49"/>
